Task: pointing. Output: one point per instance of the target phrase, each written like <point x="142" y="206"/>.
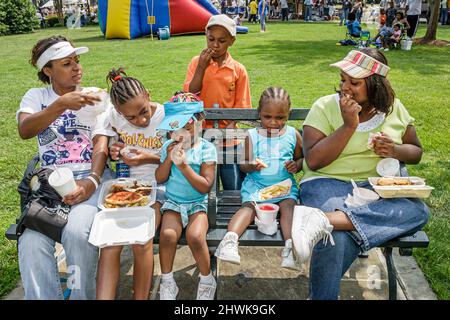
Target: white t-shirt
<point x="415" y="7"/>
<point x="67" y="142"/>
<point x="284" y="4"/>
<point x="149" y="139"/>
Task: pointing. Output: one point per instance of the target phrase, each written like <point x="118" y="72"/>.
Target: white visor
<point x="58" y="51"/>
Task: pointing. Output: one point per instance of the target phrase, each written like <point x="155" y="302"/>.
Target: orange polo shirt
<point x="228" y="86"/>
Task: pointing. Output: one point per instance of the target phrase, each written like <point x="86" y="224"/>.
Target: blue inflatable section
<point x="141" y="9"/>
<point x="161" y="12"/>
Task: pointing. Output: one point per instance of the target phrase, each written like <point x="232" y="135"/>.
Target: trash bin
<point x="406" y="44"/>
<point x="164" y="33"/>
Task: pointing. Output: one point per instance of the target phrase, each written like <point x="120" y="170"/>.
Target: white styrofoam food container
<point x="106" y="189"/>
<point x="418" y="190"/>
<point x="124" y="226"/>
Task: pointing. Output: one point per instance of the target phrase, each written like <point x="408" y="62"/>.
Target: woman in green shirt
<point x="335" y="144"/>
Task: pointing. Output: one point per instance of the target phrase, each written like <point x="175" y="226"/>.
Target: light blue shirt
<point x="274" y="152"/>
<point x="178" y="188"/>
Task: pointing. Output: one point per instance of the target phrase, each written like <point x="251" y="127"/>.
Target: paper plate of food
<point x="127" y="192"/>
<point x="400" y="187"/>
<point x="274" y="191"/>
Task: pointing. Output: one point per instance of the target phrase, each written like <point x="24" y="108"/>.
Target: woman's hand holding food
<point x="384" y="146"/>
<point x="349" y="110"/>
<point x="75" y="100"/>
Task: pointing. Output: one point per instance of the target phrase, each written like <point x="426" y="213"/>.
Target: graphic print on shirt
<point x="65" y="141"/>
<point x="140" y="140"/>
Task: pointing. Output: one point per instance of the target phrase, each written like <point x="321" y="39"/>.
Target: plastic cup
<point x="63" y="181"/>
<point x="388" y="167"/>
<point x="267" y="212"/>
<point x="364" y="196"/>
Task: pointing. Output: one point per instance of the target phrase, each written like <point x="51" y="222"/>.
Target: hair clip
<point x="117" y="78"/>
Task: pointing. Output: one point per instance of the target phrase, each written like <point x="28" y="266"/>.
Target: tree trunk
<point x="433" y="24"/>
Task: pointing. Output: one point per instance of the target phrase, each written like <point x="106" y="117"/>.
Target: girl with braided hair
<point x="133" y="124"/>
<point x="273" y="153"/>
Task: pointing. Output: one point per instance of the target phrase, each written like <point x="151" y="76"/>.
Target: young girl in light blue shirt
<point x="275" y="154"/>
<point x="188" y="164"/>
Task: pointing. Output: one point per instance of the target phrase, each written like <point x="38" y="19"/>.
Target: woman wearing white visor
<point x="64" y="140"/>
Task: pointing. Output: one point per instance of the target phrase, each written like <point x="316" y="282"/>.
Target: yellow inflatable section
<point x="118" y="21"/>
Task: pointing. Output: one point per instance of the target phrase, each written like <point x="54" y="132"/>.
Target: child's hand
<point x="349" y="110"/>
<point x="138" y="157"/>
<point x="170" y="150"/>
<point x="114" y="150"/>
<point x="292" y="166"/>
<point x="384" y="146"/>
<point x="258" y="165"/>
<point x="179" y="157"/>
<point x="205" y="58"/>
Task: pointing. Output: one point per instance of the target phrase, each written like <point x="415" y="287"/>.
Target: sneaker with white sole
<point x="228" y="249"/>
<point x="309" y="226"/>
<point x="206" y="291"/>
<point x="168" y="290"/>
<point x="288" y="260"/>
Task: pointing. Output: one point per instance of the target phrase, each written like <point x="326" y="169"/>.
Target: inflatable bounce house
<point x="129" y="19"/>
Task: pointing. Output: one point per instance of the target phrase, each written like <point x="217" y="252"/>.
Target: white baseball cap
<point x="58" y="51"/>
<point x="224" y="21"/>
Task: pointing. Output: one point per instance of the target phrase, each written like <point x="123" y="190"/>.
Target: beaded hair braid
<point x="123" y="88"/>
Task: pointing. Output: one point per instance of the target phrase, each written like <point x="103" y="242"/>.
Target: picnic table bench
<point x="222" y="204"/>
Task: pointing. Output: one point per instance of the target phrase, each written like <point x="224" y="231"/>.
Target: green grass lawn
<point x="295" y="56"/>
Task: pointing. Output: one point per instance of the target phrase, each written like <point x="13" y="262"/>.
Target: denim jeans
<point x="263" y="22"/>
<point x="38" y="265"/>
<point x="375" y="224"/>
<point x="443" y="16"/>
<point x="230" y="174"/>
<point x="308" y="13"/>
<point x="344" y="16"/>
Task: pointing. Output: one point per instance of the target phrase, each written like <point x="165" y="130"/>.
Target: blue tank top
<point x="273" y="151"/>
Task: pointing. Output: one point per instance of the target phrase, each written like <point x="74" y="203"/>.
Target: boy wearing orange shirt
<point x="219" y="79"/>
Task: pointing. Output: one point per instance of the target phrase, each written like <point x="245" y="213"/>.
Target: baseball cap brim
<point x="174" y="122"/>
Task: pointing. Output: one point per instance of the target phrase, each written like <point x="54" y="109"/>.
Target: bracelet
<point x="93" y="181"/>
<point x="98" y="177"/>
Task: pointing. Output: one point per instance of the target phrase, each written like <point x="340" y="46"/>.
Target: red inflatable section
<point x="187" y="16"/>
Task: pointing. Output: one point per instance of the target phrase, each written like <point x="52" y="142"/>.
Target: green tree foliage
<point x="17" y="16"/>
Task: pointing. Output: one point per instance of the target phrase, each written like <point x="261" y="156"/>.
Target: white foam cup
<point x="63" y="181"/>
<point x="364" y="196"/>
<point x="388" y="167"/>
<point x="267" y="216"/>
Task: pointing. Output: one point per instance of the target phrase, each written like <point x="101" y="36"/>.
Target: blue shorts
<point x="185" y="209"/>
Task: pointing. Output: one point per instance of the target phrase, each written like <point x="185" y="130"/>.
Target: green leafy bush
<point x="17" y="16"/>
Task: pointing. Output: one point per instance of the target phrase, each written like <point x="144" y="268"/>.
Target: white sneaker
<point x="168" y="290"/>
<point x="289" y="262"/>
<point x="206" y="291"/>
<point x="309" y="225"/>
<point x="228" y="249"/>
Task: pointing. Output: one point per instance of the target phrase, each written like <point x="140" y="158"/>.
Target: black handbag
<point x="42" y="207"/>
